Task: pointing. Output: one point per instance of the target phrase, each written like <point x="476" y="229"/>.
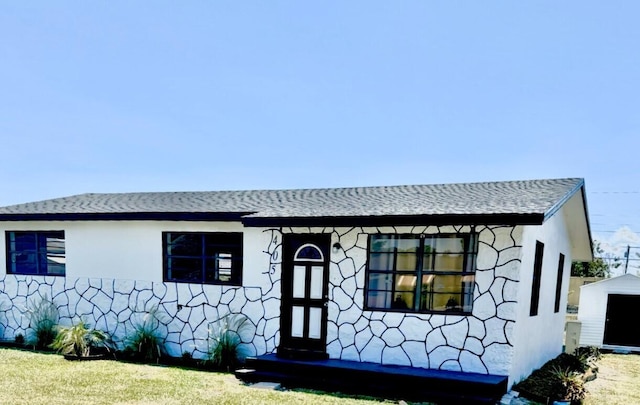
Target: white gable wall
<point x="592" y="311"/>
<point x="539" y="338"/>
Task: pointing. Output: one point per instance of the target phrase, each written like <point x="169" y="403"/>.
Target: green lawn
<point x="36" y="378"/>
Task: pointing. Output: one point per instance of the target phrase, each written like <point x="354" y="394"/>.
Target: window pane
<point x="380" y="281"/>
<point x="448" y="262"/>
<point x="297" y="321"/>
<point x="382" y="243"/>
<point x="444" y="244"/>
<point x="224" y="265"/>
<point x="407" y="262"/>
<point x="299" y="281"/>
<point x="24" y="263"/>
<point x="221" y="242"/>
<point x="315" y="323"/>
<point x="182" y="269"/>
<point x="391" y="243"/>
<point x="379" y="299"/>
<point x="24" y="241"/>
<point x="403" y="300"/>
<point x="406" y="282"/>
<point x="381" y="261"/>
<point x="187" y="244"/>
<point x="317" y="282"/>
<point x="309" y="252"/>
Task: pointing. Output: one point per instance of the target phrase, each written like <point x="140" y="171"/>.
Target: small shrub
<point x="224" y="340"/>
<point x="146" y="340"/>
<point x="559" y="378"/>
<point x="19" y="338"/>
<point x="186" y="355"/>
<point x="588" y="356"/>
<point x="43" y="320"/>
<point x="567" y="385"/>
<point x="78" y="340"/>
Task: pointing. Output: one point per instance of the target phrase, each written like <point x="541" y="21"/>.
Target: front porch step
<point x="397" y="382"/>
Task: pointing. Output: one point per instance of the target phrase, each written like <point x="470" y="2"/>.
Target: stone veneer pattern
<point x="480" y="342"/>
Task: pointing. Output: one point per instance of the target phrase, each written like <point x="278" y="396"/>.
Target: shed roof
<point x="625" y="279"/>
<point x="505" y="202"/>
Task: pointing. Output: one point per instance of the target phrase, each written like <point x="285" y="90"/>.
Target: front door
<point x="303" y="317"/>
<point x="621" y="328"/>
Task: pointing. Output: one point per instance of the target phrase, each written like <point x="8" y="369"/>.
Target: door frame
<point x="303" y="347"/>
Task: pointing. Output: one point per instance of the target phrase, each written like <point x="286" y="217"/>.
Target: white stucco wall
<point x="539" y="338"/>
<point x="114" y="270"/>
<point x="592" y="311"/>
<point x="114" y="273"/>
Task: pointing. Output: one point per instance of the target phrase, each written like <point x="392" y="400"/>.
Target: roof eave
<point x="127" y="216"/>
<point x="398" y="220"/>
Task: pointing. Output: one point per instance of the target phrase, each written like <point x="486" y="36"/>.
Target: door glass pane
<point x="315" y="323"/>
<point x="298" y="281"/>
<point x="316" y="282"/>
<point x="297" y="321"/>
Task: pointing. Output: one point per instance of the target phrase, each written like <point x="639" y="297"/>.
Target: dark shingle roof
<point x="531" y="201"/>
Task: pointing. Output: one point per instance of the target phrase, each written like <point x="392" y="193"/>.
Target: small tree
<point x="600" y="266"/>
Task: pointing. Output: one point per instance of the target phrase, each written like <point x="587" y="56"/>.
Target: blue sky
<point x="201" y="95"/>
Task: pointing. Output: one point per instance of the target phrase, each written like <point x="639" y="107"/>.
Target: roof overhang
<point x="576" y="217"/>
<point x="128" y="216"/>
<point x="397" y="220"/>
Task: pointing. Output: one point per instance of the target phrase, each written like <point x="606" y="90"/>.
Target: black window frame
<point x="469" y="253"/>
<point x="42" y="250"/>
<point x="216" y="249"/>
<point x="561" y="259"/>
<point x="537" y="279"/>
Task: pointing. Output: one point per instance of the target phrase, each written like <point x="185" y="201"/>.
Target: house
<point x="468" y="278"/>
<point x="606" y="313"/>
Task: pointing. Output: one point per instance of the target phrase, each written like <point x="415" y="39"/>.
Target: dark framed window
<point x="203" y="257"/>
<point x="421" y="273"/>
<point x="537" y="275"/>
<point x="36" y="252"/>
<point x="556" y="307"/>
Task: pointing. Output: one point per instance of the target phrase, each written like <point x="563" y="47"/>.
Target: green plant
<point x="78" y="340"/>
<point x="43" y="319"/>
<point x="568" y="385"/>
<point x="225" y="336"/>
<point x="588" y="356"/>
<point x="146" y="340"/>
<point x="19" y="338"/>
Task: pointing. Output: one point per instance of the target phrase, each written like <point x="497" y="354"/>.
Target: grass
<point x="40" y="378"/>
<point x="617" y="381"/>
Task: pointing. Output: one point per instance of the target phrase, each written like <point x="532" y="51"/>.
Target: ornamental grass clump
<point x="225" y="336"/>
<point x="43" y="320"/>
<point x="79" y="340"/>
<point x="567" y="385"/>
<point x="146" y="340"/>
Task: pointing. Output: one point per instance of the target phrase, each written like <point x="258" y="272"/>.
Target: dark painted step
<point x="401" y="382"/>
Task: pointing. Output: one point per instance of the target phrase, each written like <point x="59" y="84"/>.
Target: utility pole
<point x="626" y="262"/>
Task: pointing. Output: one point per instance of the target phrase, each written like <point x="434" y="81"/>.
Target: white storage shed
<point x="608" y="313"/>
